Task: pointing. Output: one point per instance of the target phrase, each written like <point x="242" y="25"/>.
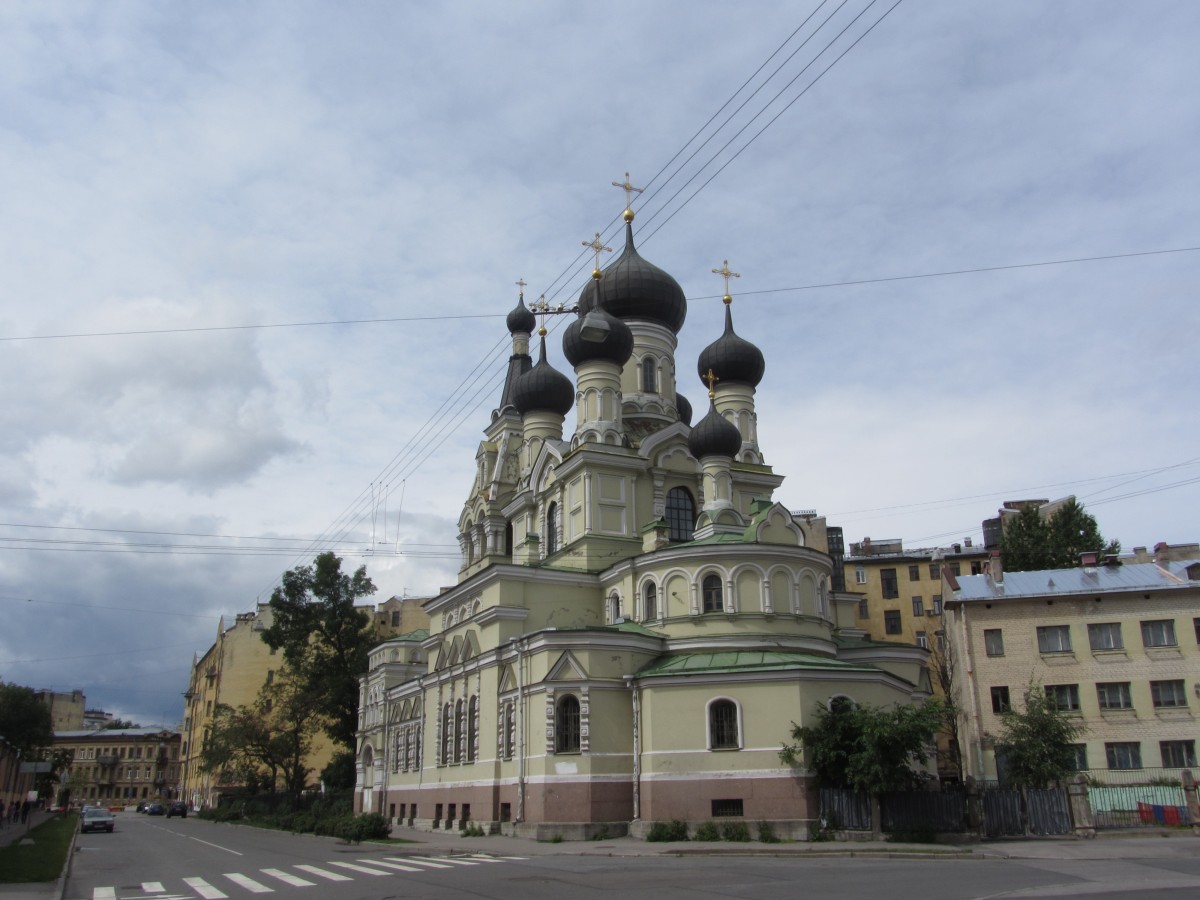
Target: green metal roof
<point x="747" y="660"/>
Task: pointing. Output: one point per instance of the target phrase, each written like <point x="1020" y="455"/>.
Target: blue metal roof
<point x="1099" y="579"/>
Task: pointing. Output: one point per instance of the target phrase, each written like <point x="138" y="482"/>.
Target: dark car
<point x="155" y="809"/>
<point x="178" y="808"/>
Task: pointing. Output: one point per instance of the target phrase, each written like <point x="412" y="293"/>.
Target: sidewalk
<point x="42" y="890"/>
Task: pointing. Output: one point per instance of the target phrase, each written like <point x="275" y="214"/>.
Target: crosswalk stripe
<point x="459" y="862"/>
<point x="104" y="893"/>
<point x="421" y="861"/>
<point x="479" y="857"/>
<point x="249" y="884"/>
<point x="152" y="887"/>
<point x="204" y="889"/>
<point x="354" y="867"/>
<point x="324" y="873"/>
<point x="288" y="878"/>
<point x="393" y="865"/>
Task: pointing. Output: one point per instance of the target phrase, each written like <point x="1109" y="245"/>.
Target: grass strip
<point x="41" y="855"/>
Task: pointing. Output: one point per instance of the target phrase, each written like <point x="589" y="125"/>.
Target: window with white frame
<point x="918" y="606"/>
<point x="1168" y="694"/>
<point x="1054" y="638"/>
<point x="1123" y="754"/>
<point x="1063" y="697"/>
<point x="1159" y="633"/>
<point x="1105" y="636"/>
<point x="711" y="595"/>
<point x="649" y="602"/>
<point x="1114" y="695"/>
<point x="860" y="574"/>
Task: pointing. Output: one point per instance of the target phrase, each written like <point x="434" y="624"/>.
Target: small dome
<point x="615" y="346"/>
<point x="635" y="289"/>
<point x="543" y="389"/>
<point x="685" y="409"/>
<point x="732" y="359"/>
<point x="521" y="319"/>
<point x="714" y="436"/>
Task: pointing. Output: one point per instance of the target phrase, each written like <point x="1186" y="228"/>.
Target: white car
<point x="97" y="818"/>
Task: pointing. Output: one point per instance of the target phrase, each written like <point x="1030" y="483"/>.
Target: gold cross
<point x="726" y="273"/>
<point x="521" y="285"/>
<point x="597" y="247"/>
<point x="710" y="377"/>
<point x="628" y="188"/>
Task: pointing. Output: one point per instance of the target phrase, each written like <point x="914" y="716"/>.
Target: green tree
<point x="1030" y="543"/>
<point x="24" y="720"/>
<point x="118" y="725"/>
<point x="867" y="748"/>
<point x="340" y="774"/>
<point x="1036" y="741"/>
<point x="264" y="744"/>
<point x="325" y="638"/>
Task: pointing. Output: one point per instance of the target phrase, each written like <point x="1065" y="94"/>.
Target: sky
<point x="256" y="259"/>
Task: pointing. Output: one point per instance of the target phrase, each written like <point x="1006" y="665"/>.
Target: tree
<point x="340" y="774"/>
<point x="24" y="720"/>
<point x="867" y="748"/>
<point x="1030" y="543"/>
<point x="266" y="743"/>
<point x="942" y="665"/>
<point x="1035" y="743"/>
<point x="118" y="725"/>
<point x="325" y="638"/>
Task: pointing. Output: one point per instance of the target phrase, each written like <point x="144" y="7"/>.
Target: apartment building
<point x="120" y="766"/>
<point x="1115" y="645"/>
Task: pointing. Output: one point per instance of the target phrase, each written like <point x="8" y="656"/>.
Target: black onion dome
<point x="543" y="389"/>
<point x="521" y="319"/>
<point x="635" y="289"/>
<point x="617" y="345"/>
<point x="714" y="436"/>
<point x="732" y="359"/>
<point x="685" y="409"/>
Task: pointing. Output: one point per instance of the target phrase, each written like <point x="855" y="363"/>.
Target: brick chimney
<point x="1088" y="558"/>
<point x="996" y="567"/>
<point x="1160" y="553"/>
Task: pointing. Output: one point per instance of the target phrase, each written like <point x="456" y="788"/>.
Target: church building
<point x="637" y="622"/>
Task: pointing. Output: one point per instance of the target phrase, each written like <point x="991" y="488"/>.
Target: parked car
<point x="178" y="808"/>
<point x="97" y="818"/>
<point x="155" y="809"/>
<point x="141" y="807"/>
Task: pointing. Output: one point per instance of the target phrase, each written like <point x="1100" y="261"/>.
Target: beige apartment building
<point x="1115" y="645"/>
<point x="233" y="671"/>
<point x="120" y="766"/>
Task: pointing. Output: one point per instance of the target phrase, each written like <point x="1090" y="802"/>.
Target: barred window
<point x="723" y="725"/>
<point x="566" y="725"/>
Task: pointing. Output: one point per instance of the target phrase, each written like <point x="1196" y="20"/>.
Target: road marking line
<point x="392" y="865"/>
<point x="459" y="862"/>
<point x="354" y="867"/>
<point x="218" y="846"/>
<point x="249" y="884"/>
<point x="204" y="889"/>
<point x="421" y="861"/>
<point x="286" y="878"/>
<point x="324" y="873"/>
<point x="479" y="857"/>
<point x="104" y="893"/>
<point x="152" y="887"/>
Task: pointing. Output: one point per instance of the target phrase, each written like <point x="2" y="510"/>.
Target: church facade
<point x="637" y="622"/>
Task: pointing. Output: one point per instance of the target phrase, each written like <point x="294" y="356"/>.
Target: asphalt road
<point x="175" y="859"/>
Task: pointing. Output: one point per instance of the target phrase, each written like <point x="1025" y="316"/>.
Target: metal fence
<point x="923" y="812"/>
<point x="1137" y="798"/>
<point x="845" y="810"/>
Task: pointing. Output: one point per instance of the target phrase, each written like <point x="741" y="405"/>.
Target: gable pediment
<point x="566" y="668"/>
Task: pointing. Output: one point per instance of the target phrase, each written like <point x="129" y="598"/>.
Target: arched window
<point x="459" y="717"/>
<point x="649" y="375"/>
<point x="552" y="529"/>
<point x="614" y="607"/>
<point x="723" y="725"/>
<point x="447" y="733"/>
<point x="508" y="539"/>
<point x="649" y="602"/>
<point x="566" y="725"/>
<point x="710" y="590"/>
<point x="681" y="514"/>
<point x="472" y="716"/>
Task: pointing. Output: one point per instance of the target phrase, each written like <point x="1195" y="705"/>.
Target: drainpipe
<point x="637" y="747"/>
<point x="520" y="817"/>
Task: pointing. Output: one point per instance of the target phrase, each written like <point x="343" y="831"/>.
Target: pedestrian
<point x="3" y="817"/>
<point x="24" y="812"/>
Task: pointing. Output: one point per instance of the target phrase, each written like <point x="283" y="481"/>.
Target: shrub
<point x="667" y="831"/>
<point x="473" y="831"/>
<point x="735" y="831"/>
<point x="766" y="833"/>
<point x="707" y="831"/>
